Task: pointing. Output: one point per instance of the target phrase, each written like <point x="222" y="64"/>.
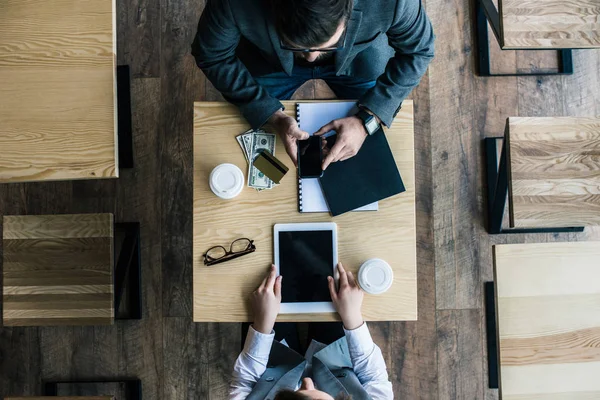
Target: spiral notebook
<point x="311" y="117"/>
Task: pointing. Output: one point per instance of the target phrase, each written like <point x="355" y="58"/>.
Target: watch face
<point x="372" y="125"/>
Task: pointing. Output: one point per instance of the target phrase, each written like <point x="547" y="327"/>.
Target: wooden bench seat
<point x="553" y="171"/>
<point x="548" y="320"/>
<point x="550" y="24"/>
<point x="58" y="270"/>
<point x="58" y="100"/>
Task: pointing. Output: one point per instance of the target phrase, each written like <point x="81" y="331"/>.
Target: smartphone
<point x="310" y="157"/>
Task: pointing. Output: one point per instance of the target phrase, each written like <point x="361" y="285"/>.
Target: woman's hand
<point x="266" y="301"/>
<point x="347" y="299"/>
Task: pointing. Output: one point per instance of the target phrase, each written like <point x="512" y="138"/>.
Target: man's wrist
<point x="364" y="128"/>
<point x="277" y="116"/>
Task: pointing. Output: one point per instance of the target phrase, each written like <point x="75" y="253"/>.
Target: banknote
<point x="247" y="140"/>
<point x="260" y="141"/>
<point x="241" y="143"/>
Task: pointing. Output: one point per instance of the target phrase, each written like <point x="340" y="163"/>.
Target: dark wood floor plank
<point x="222" y="343"/>
<point x="456" y="159"/>
<point x="184" y="351"/>
<point x="78" y="352"/>
<point x="138" y="200"/>
<point x="20" y="362"/>
<point x="413" y="362"/>
<point x="138" y="37"/>
<point x="181" y="84"/>
<point x="459" y="354"/>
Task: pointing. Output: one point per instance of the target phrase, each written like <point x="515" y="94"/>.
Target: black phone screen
<point x="310" y="157"/>
<point x="305" y="262"/>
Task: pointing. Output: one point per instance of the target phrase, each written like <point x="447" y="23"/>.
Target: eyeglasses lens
<point x="240" y="245"/>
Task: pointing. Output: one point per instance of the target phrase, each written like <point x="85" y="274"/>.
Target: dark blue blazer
<point x="390" y="41"/>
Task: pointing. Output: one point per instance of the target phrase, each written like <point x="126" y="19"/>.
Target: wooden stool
<point x="64" y="105"/>
<point x="546" y="334"/>
<point x="535" y="25"/>
<point x="550" y="169"/>
<point x="60" y="269"/>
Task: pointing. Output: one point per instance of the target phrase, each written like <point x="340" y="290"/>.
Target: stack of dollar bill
<point x="252" y="143"/>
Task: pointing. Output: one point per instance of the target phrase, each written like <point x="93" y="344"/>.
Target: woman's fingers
<point x="277" y="287"/>
<point x="332" y="291"/>
<point x="271" y="278"/>
<point x="343" y="275"/>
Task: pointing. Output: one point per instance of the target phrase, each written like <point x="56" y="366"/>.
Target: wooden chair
<point x="61" y="269"/>
<point x="550" y="169"/>
<point x="543" y="321"/>
<point x="536" y="25"/>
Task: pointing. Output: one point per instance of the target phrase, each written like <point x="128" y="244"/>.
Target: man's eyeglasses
<point x="238" y="248"/>
<point x="340" y="45"/>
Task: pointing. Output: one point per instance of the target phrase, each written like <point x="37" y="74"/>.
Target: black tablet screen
<point x="305" y="262"/>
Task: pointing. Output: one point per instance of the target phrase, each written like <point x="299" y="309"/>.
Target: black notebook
<point x="310" y="117"/>
<point x="368" y="177"/>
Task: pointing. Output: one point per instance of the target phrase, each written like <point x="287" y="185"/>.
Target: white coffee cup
<point x="226" y="181"/>
<point x="375" y="276"/>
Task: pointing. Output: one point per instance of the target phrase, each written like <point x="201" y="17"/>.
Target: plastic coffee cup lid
<point x="375" y="276"/>
<point x="226" y="181"/>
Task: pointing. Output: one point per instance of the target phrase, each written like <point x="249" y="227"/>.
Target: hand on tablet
<point x="347" y="299"/>
<point x="266" y="301"/>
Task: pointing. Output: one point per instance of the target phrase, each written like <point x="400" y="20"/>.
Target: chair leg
<point x="125" y="126"/>
<point x="128" y="270"/>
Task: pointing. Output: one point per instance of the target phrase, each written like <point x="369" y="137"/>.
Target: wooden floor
<point x="440" y="356"/>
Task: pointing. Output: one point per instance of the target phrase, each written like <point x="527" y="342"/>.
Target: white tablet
<point x="305" y="254"/>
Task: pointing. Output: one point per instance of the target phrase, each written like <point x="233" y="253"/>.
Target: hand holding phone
<point x="310" y="157"/>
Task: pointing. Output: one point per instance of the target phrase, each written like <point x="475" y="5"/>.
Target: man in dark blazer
<point x="257" y="52"/>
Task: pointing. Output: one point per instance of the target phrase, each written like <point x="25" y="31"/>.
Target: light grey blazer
<point x="331" y="371"/>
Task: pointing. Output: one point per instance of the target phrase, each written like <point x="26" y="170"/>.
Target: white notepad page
<point x="311" y="117"/>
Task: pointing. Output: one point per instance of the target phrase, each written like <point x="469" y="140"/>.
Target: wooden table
<point x="548" y="320"/>
<point x="58" y="114"/>
<point x="549" y="24"/>
<point x="58" y="270"/>
<point x="221" y="292"/>
<point x="550" y="169"/>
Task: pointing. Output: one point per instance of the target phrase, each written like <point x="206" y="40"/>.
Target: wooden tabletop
<point x="554" y="172"/>
<point x="221" y="292"/>
<point x="58" y="93"/>
<point x="58" y="270"/>
<point x="550" y="24"/>
<point x="548" y="305"/>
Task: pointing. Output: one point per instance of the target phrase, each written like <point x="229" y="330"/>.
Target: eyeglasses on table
<point x="219" y="254"/>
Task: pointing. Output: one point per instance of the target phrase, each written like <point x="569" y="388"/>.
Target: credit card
<point x="270" y="166"/>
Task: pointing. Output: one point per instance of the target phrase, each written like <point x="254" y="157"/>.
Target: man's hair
<point x="309" y="23"/>
<point x="289" y="395"/>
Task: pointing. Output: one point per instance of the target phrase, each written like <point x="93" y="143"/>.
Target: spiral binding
<point x="299" y="179"/>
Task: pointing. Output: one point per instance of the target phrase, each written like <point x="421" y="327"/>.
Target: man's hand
<point x="351" y="134"/>
<point x="266" y="301"/>
<point x="348" y="299"/>
<point x="288" y="130"/>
